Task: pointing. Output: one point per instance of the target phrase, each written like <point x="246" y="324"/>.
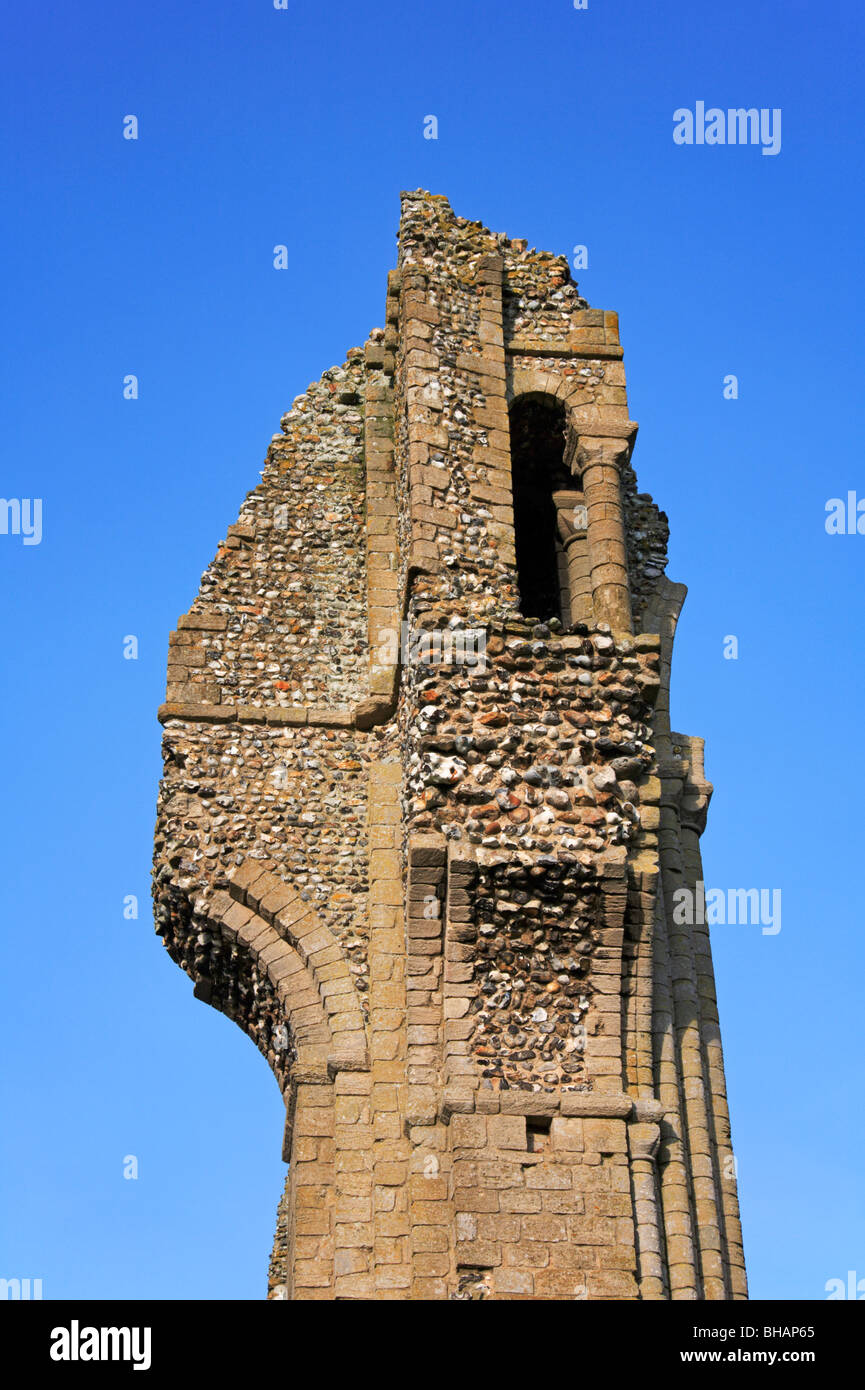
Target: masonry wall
<point x="435" y="890"/>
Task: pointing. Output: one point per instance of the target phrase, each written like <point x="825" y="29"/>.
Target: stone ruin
<point x="423" y="816"/>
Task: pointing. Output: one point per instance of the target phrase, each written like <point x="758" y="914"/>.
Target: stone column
<point x="572" y="520"/>
<point x="599" y="460"/>
<point x="694" y="804"/>
<point x="689" y="1043"/>
<point x="673" y="1173"/>
<point x="643" y="1141"/>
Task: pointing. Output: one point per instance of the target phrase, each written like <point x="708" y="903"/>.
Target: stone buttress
<point x="423" y="815"/>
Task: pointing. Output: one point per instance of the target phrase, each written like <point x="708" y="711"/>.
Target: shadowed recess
<point x="537" y="426"/>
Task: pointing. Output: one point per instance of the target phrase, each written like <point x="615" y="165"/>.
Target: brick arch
<point x="581" y="419"/>
<point x="257" y="889"/>
<point x="297" y="957"/>
<point x="586" y="419"/>
<point x="277" y="963"/>
<point x="535" y="381"/>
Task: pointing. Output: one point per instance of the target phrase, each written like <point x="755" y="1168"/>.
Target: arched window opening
<point x="539" y="475"/>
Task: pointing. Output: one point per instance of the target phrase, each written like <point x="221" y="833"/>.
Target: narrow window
<point x="538" y="471"/>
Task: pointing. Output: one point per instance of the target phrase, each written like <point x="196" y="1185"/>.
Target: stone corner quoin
<point x="422" y="816"/>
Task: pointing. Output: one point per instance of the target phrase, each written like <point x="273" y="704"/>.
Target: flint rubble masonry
<point x="439" y="895"/>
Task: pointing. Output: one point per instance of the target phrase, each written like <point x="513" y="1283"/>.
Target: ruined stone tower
<point x="423" y="816"/>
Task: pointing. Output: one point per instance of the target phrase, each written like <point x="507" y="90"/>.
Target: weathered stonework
<point x="423" y="815"/>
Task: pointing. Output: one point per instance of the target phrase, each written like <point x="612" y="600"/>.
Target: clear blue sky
<point x="154" y="257"/>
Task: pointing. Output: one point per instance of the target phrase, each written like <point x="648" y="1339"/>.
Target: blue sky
<point x="260" y="127"/>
